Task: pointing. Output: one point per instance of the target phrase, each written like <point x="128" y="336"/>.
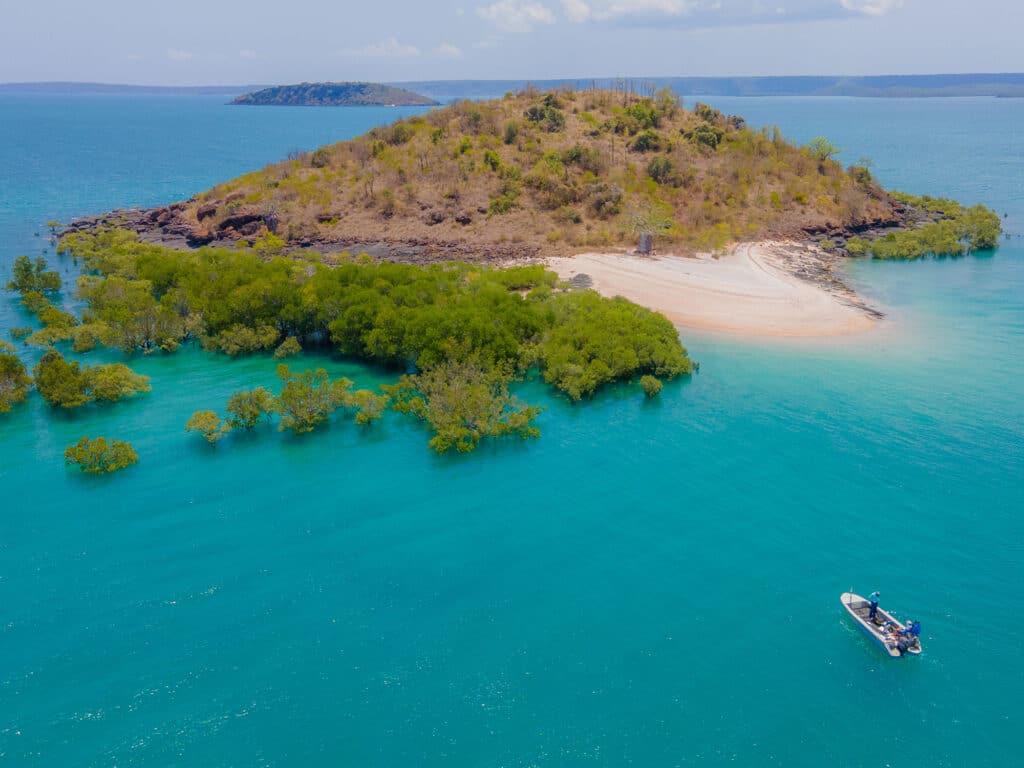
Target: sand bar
<point x="750" y="291"/>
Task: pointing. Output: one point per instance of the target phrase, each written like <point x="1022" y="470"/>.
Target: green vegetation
<point x="30" y="275"/>
<point x="287" y="348"/>
<point x="100" y="456"/>
<point x="651" y="385"/>
<point x="957" y="231"/>
<point x="209" y="425"/>
<point x="822" y="149"/>
<point x="65" y="384"/>
<point x="247" y="409"/>
<point x="335" y="95"/>
<point x="503" y="323"/>
<point x="464" y="402"/>
<point x="306" y="401"/>
<point x="308" y="398"/>
<point x="594" y="341"/>
<point x="14" y="380"/>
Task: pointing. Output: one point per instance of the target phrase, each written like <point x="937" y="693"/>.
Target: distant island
<point x="334" y="95"/>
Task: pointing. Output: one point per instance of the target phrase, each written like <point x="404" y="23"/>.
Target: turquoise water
<point x="652" y="584"/>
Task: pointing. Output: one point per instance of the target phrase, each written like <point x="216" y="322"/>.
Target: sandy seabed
<point x="749" y="291"/>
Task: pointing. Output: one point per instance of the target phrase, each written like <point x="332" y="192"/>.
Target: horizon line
<point x="513" y="79"/>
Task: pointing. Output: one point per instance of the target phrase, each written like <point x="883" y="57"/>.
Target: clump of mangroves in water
<point x="953" y="230"/>
<point x="100" y="456"/>
<point x="460" y="333"/>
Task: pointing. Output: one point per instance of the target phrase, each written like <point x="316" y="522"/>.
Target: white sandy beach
<point x="746" y="292"/>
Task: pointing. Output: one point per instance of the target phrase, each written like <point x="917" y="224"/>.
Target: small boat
<point x="888" y="633"/>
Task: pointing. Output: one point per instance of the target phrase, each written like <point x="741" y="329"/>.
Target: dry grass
<point x="560" y="172"/>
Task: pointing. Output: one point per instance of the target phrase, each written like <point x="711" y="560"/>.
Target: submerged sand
<point x="764" y="289"/>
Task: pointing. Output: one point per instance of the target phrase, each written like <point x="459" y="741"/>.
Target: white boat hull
<point x="859" y="607"/>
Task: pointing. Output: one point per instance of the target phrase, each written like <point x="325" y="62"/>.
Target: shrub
<point x="857" y="246"/>
<point x="464" y="403"/>
<point x="662" y="171"/>
<point x="209" y="425"/>
<point x="707" y="114"/>
<point x="646" y="141"/>
<point x="287" y="348"/>
<point x="14" y="379"/>
<point x="320" y="158"/>
<point x="30" y="275"/>
<point x="651" y="385"/>
<point x="492" y="160"/>
<point x="66" y="384"/>
<point x="100" y="456"/>
<point x="645" y="113"/>
<point x="502" y="204"/>
<point x="400" y="133"/>
<point x="511" y="132"/>
<point x="548" y="117"/>
<point x="246" y="409"/>
<point x="584" y="157"/>
<point x="568" y="215"/>
<point x="861" y="174"/>
<point x="605" y="200"/>
<point x="706" y="135"/>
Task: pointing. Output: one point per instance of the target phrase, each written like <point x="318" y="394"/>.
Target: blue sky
<point x="209" y="42"/>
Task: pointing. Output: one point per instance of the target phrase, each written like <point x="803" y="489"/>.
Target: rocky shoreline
<point x="164" y="226"/>
<point x="168" y="226"/>
<point x="814" y="265"/>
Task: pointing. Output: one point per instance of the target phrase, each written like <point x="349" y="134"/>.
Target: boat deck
<point x="860" y="609"/>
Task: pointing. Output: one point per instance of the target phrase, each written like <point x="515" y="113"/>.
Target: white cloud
<point x="576" y="10"/>
<point x="516" y="15"/>
<point x="871" y="7"/>
<point x="389" y="49"/>
<point x="719" y="12"/>
<point x="622" y="8"/>
<point x="448" y="51"/>
<point x="176" y="54"/>
<point x="247" y="53"/>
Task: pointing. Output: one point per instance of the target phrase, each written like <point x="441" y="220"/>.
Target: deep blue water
<point x="651" y="584"/>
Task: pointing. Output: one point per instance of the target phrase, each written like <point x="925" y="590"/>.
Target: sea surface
<point x="650" y="583"/>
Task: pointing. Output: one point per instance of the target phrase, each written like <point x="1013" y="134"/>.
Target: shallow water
<point x="649" y="583"/>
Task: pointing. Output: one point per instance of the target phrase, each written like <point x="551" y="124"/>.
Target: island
<point x="334" y="95"/>
<point x="749" y="230"/>
<point x="565" y="236"/>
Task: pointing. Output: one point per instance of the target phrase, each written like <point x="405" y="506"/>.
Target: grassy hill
<point x="334" y="95"/>
<point x="545" y="173"/>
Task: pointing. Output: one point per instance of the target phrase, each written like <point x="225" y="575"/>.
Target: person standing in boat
<point x="873" y="599"/>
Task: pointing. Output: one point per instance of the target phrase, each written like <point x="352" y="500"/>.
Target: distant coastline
<point x="1005" y="85"/>
<point x="1001" y="85"/>
<point x="63" y="88"/>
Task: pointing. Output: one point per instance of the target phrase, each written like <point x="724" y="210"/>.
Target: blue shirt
<point x="873" y="597"/>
